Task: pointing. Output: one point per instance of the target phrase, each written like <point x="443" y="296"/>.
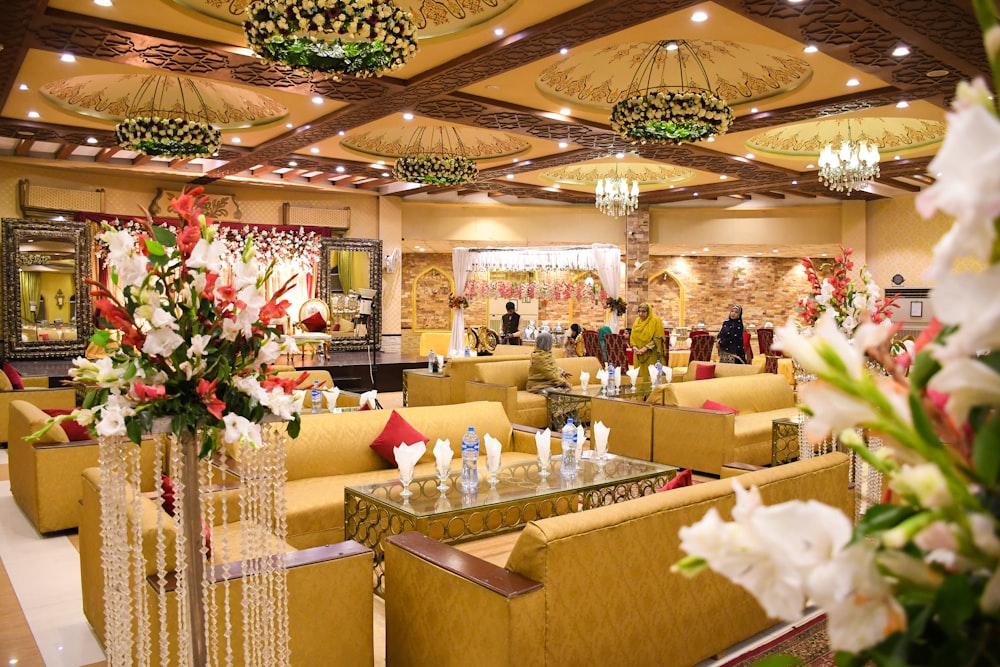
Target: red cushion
<point x="704" y="371"/>
<point x="13" y="376"/>
<point x="167" y="493"/>
<point x="314" y="323"/>
<point x="336" y="327"/>
<point x="721" y="407"/>
<point x="74" y="431"/>
<point x="396" y="430"/>
<point x="683" y="478"/>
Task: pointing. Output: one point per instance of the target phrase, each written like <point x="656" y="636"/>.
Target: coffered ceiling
<point x="528" y="85"/>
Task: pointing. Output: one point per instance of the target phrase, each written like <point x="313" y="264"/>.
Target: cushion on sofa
<point x="721" y="407"/>
<point x="5" y="384"/>
<point x="397" y="430"/>
<point x="760" y="392"/>
<point x="681" y="479"/>
<point x="704" y="372"/>
<point x="73" y="430"/>
<point x="13" y="377"/>
<point x="37" y="419"/>
<point x="314" y="323"/>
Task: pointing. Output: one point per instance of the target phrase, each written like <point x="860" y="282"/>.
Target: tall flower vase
<point x="170" y="596"/>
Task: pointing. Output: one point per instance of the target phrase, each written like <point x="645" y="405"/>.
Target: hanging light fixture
<point x="362" y="38"/>
<point x="435" y="156"/>
<point x="851" y="167"/>
<point x="168" y="116"/>
<point x="614" y="195"/>
<point x="667" y="105"/>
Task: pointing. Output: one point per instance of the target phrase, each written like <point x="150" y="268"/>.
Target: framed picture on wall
<point x="916" y="309"/>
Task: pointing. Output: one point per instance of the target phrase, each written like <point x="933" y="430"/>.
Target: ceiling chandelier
<point x="615" y="197"/>
<point x="435" y="156"/>
<point x="168" y="116"/>
<point x="662" y="108"/>
<point x="362" y="38"/>
<point x="852" y="167"/>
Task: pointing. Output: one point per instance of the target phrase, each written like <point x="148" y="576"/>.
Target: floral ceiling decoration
<point x="391" y="142"/>
<point x="362" y="38"/>
<point x="436" y="156"/>
<point x="432" y="18"/>
<point x="671" y="98"/>
<point x="808" y="139"/>
<point x="741" y="73"/>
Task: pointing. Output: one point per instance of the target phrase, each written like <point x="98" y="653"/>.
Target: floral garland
<point x="174" y="137"/>
<point x="850" y="302"/>
<point x="436" y="170"/>
<point x="667" y="117"/>
<point x="457" y="302"/>
<point x="559" y="290"/>
<point x="362" y="38"/>
<point x="179" y="343"/>
<point x="616" y="304"/>
<point x="300" y="250"/>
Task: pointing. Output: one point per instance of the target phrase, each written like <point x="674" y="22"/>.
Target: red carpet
<point x="807" y="642"/>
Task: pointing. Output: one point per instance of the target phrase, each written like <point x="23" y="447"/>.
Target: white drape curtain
<point x="600" y="257"/>
<point x="461" y="266"/>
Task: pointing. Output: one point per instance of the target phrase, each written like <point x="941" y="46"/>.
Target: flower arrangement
<point x="671" y="117"/>
<point x="180" y="344"/>
<point x="436" y="170"/>
<point x="174" y="137"/>
<point x="362" y="38"/>
<point x="616" y="304"/>
<point x="457" y="302"/>
<point x="850" y="302"/>
<point x="917" y="580"/>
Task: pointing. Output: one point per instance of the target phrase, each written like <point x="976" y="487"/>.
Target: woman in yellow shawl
<point x="647" y="341"/>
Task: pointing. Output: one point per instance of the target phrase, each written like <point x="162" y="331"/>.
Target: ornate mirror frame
<point x="14" y="233"/>
<point x="374" y="249"/>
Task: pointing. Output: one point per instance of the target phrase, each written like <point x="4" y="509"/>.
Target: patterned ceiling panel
<point x="588" y="173"/>
<point x="561" y="131"/>
<point x="184" y="59"/>
<point x="808" y="139"/>
<point x="479" y="143"/>
<point x="450" y="109"/>
<point x="85" y="40"/>
<point x="508" y="121"/>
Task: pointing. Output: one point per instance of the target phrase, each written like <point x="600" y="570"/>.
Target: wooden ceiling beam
<point x="107" y="154"/>
<point x="896" y="183"/>
<point x="294" y="173"/>
<point x="264" y="169"/>
<point x="24" y="147"/>
<point x="141" y="159"/>
<point x="177" y="163"/>
<point x="65" y="151"/>
<point x="371" y="185"/>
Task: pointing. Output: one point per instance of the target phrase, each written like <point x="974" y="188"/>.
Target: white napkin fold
<point x="581" y="437"/>
<point x="493" y="448"/>
<point x="443" y="453"/>
<point x="668" y="374"/>
<point x="584" y="378"/>
<point x="368" y="398"/>
<point x="331" y="398"/>
<point x="600" y="433"/>
<point x="618" y="376"/>
<point x="602" y="375"/>
<point x="408" y="455"/>
<point x="633" y="375"/>
<point x="543" y="442"/>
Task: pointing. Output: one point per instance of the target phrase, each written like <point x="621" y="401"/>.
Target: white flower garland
<point x="358" y="37"/>
<point x="174" y="137"/>
<point x="667" y="117"/>
<point x="436" y="170"/>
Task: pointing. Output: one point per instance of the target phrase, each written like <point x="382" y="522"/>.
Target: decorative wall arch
<point x="681" y="292"/>
<point x="414" y="290"/>
<point x="574" y="315"/>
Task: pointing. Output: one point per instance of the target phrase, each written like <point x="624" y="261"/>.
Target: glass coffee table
<point x="372" y="512"/>
<point x="574" y="403"/>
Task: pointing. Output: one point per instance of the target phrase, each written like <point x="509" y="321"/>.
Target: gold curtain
<point x="345" y="268"/>
<point x="31" y="287"/>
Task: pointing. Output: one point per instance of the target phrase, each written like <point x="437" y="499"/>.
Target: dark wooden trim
<point x="486" y="574"/>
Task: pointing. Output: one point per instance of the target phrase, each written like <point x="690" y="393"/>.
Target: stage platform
<point x="351" y="371"/>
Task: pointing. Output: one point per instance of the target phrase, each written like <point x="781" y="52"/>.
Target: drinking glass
<point x="443" y="472"/>
<point x="543" y="464"/>
<point x="492" y="468"/>
<point x="405" y="477"/>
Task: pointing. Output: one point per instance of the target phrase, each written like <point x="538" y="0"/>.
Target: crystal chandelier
<point x="615" y="197"/>
<point x="852" y="167"/>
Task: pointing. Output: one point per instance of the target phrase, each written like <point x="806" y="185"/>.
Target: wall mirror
<point x="46" y="303"/>
<point x="349" y="281"/>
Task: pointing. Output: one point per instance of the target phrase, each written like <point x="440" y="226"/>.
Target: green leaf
<point x="986" y="451"/>
<point x="883" y="517"/>
<point x="134" y="429"/>
<point x="779" y="661"/>
<point x="294" y="426"/>
<point x="921" y="422"/>
<point x="956" y="603"/>
<point x="101" y="337"/>
<point x="924" y="366"/>
<point x="155" y="248"/>
<point x="164" y="236"/>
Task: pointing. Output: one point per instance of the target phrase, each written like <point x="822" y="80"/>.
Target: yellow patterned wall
<point x="900" y="241"/>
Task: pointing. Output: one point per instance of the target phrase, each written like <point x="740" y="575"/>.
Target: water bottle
<point x="659" y="372"/>
<point x="568" y="467"/>
<point x="611" y="378"/>
<point x="430" y="361"/>
<point x="470" y="461"/>
<point x="316" y="398"/>
<point x="468" y="353"/>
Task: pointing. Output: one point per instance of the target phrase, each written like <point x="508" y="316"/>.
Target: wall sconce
<point x="60" y="299"/>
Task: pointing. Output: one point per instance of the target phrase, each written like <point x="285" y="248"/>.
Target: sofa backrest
<point x="628" y="548"/>
<point x="463" y="369"/>
<point x="515" y="373"/>
<point x="747" y="393"/>
<point x="722" y="370"/>
<point x="338" y="444"/>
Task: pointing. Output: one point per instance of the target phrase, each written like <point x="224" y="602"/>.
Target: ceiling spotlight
<point x="34" y="114"/>
<point x="510" y="177"/>
<point x="102" y="3"/>
<point x="23" y="86"/>
<point x="91" y="140"/>
<point x="293" y="163"/>
<point x="750" y="156"/>
<point x="853" y="82"/>
<point x="385" y="174"/>
<point x="67" y="58"/>
<point x="900" y="51"/>
<point x="810" y="49"/>
<point x="565" y="112"/>
<point x="712" y="138"/>
<point x="704" y="249"/>
<point x="516" y="160"/>
<point x="236" y="140"/>
<point x="314" y="150"/>
<point x="340" y="170"/>
<point x="795" y="182"/>
<point x="810" y="166"/>
<point x="672" y="46"/>
<point x="340" y="134"/>
<point x="563" y="51"/>
<point x="563" y="144"/>
<point x="896" y="157"/>
<point x="498" y="32"/>
<point x="699" y="17"/>
<point x="619" y="155"/>
<point x="289" y="125"/>
<point x="775" y="250"/>
<point x="317" y="100"/>
<point x="902" y="104"/>
<point x="407" y="116"/>
<point x="723" y="177"/>
<point x="754" y="110"/>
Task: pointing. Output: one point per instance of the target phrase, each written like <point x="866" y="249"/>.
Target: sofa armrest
<point x="64" y="398"/>
<point x="35" y="381"/>
<point x="631" y="424"/>
<point x="464" y="587"/>
<point x="693" y="438"/>
<point x="524" y="439"/>
<point x="422" y="388"/>
<point x="501" y="393"/>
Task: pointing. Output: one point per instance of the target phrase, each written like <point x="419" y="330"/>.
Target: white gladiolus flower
<point x="113" y="414"/>
<point x="968" y="300"/>
<point x="968" y="383"/>
<point x="199" y="342"/>
<point x="207" y="255"/>
<point x="925" y="482"/>
<point x="161" y="342"/>
<point x="240" y="429"/>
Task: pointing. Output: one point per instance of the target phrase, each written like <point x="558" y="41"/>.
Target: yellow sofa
<point x="673" y="428"/>
<point x="721" y="370"/>
<point x="45" y="474"/>
<point x="505" y="382"/>
<point x="36" y="390"/>
<point x="344" y="399"/>
<point x="588" y="589"/>
<point x="332" y="451"/>
<point x="330" y="598"/>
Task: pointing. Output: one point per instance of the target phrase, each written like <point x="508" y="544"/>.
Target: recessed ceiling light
<point x="619" y="155"/>
<point x="810" y="49"/>
<point x="293" y="163"/>
<point x="563" y="144"/>
<point x="896" y="158"/>
<point x="696" y="194"/>
<point x="750" y="156"/>
<point x="795" y="182"/>
<point x="694" y="252"/>
<point x="516" y="160"/>
<point x="563" y="51"/>
<point x="937" y="73"/>
<point x="314" y="150"/>
<point x="902" y="104"/>
<point x="704" y="249"/>
<point x="810" y="166"/>
<point x="723" y="177"/>
<point x="340" y="170"/>
<point x="375" y="166"/>
<point x="385" y="174"/>
<point x="760" y="253"/>
<point x="823" y="254"/>
<point x="853" y="82"/>
<point x="900" y="51"/>
<point x="317" y="100"/>
<point x="672" y="46"/>
<point x="671" y="187"/>
<point x="102" y="3"/>
<point x="407" y="116"/>
<point x="381" y="161"/>
<point x="34" y="114"/>
<point x="698" y="17"/>
<point x="91" y="140"/>
<point x="340" y="134"/>
<point x="498" y="32"/>
<point x="754" y="110"/>
<point x="775" y="250"/>
<point x="289" y="125"/>
<point x="236" y="140"/>
<point x="711" y="138"/>
<point x="23" y="86"/>
<point x="67" y="58"/>
<point x="564" y="111"/>
<point x="510" y="177"/>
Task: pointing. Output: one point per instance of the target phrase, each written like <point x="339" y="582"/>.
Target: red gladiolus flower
<point x="188" y="238"/>
<point x="145" y="392"/>
<point x="287" y="385"/>
<point x="214" y="405"/>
